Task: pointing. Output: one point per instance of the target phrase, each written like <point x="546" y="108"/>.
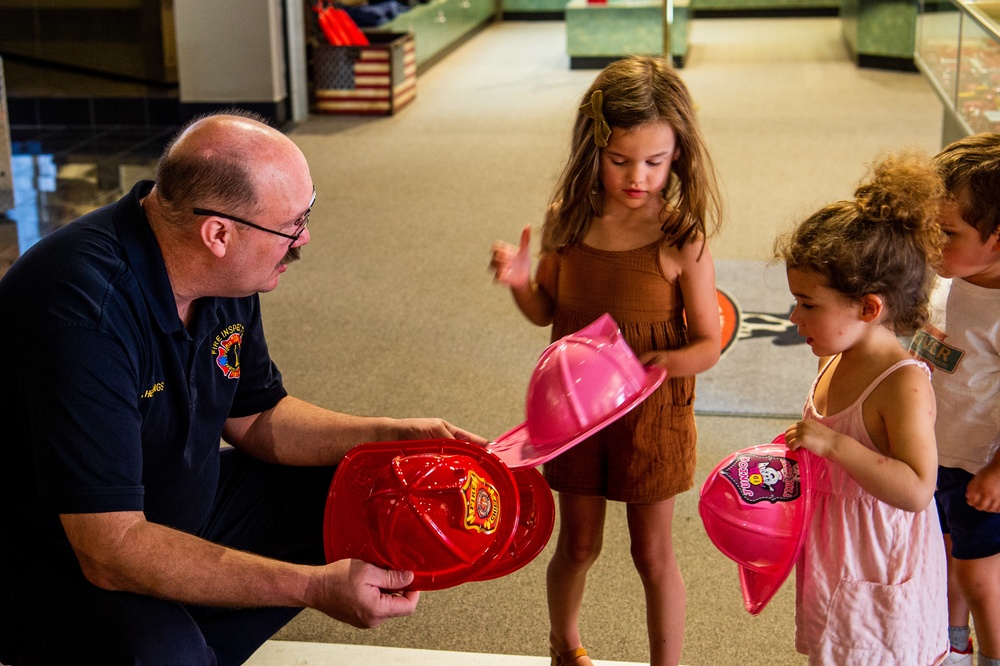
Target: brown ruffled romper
<point x="649" y="454"/>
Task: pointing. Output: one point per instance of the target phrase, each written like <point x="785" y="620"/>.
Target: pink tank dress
<point x="871" y="582"/>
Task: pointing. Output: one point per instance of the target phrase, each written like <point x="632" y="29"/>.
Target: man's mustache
<point x="293" y="254"/>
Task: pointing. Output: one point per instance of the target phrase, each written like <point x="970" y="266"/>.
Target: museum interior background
<point x="392" y="310"/>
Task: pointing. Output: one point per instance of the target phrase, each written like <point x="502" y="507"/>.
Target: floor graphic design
<point x="766" y="368"/>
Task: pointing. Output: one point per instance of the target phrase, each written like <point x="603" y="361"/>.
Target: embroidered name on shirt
<point x="929" y="345"/>
<point x="226" y="350"/>
<point x="157" y="387"/>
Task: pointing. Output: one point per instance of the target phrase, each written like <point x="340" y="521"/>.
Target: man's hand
<point x="122" y="551"/>
<point x="360" y="594"/>
<point x="430" y="428"/>
<point x="295" y="432"/>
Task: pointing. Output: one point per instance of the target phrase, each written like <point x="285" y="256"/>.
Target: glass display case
<point x="958" y="49"/>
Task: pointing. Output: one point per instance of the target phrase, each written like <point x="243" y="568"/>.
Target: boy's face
<point x="965" y="255"/>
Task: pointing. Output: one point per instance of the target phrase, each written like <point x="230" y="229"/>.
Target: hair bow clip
<point x="595" y="110"/>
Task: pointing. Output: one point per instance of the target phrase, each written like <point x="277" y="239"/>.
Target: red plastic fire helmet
<point x="535" y="520"/>
<point x="581" y="383"/>
<point x="448" y="510"/>
<point x="756" y="506"/>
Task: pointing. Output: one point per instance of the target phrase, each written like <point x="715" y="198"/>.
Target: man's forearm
<point x="295" y="432"/>
<point x="124" y="552"/>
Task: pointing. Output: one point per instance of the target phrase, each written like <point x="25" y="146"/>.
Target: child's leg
<point x="980" y="583"/>
<point x="975" y="556"/>
<point x="650" y="526"/>
<point x="581" y="535"/>
<point x="958" y="609"/>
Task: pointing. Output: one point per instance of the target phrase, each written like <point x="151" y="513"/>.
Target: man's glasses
<point x="300" y="224"/>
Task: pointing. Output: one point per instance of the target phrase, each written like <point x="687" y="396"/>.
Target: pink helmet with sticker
<point x="756" y="506"/>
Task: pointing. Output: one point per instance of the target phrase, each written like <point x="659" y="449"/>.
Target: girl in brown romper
<point x="626" y="233"/>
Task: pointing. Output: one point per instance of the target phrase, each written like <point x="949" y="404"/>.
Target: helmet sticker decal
<point x="760" y="477"/>
<point x="482" y="504"/>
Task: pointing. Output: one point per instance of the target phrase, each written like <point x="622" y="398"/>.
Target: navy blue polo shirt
<point x="107" y="402"/>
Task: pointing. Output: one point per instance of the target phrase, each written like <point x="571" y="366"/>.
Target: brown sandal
<point x="568" y="657"/>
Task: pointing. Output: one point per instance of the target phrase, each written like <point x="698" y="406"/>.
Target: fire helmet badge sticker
<point x="482" y="504"/>
<point x="759" y="478"/>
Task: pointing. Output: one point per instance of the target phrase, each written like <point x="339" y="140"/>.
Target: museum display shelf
<point x="880" y="33"/>
<point x="440" y="25"/>
<point x="751" y="8"/>
<point x="134" y="39"/>
<point x="533" y="10"/>
<point x="958" y="50"/>
<point x="600" y="32"/>
<point x="555" y="9"/>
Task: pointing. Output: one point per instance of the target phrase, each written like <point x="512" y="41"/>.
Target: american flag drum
<point x="377" y="79"/>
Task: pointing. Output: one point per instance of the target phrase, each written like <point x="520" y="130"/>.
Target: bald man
<point x="132" y="343"/>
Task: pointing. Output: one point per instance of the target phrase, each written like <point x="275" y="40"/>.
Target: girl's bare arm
<point x="512" y="266"/>
<point x="701" y="308"/>
<point x="903" y="408"/>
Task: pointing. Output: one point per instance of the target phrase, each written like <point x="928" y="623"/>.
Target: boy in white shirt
<point x="962" y="344"/>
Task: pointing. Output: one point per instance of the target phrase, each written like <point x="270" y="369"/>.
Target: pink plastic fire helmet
<point x="581" y="383"/>
<point x="756" y="506"/>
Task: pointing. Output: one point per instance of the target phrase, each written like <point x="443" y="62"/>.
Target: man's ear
<point x="216" y="233"/>
<point x="872" y="307"/>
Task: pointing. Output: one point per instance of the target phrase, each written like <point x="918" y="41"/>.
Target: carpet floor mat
<point x="766" y="367"/>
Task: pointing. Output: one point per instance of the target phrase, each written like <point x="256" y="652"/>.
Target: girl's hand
<point x="655" y="358"/>
<point x="811" y="436"/>
<point x="512" y="265"/>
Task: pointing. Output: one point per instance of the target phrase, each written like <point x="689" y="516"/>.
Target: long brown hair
<point x="637" y="91"/>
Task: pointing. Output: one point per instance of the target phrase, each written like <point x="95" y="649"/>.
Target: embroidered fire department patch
<point x="227" y="355"/>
